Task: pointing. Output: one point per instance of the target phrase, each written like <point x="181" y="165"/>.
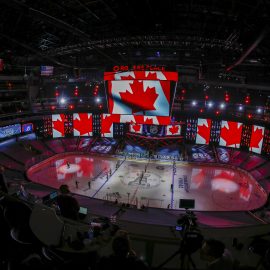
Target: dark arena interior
<point x="134" y="134"/>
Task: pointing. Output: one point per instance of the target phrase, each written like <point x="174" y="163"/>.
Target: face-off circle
<point x="141" y="179"/>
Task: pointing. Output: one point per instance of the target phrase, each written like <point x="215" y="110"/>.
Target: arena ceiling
<point x="217" y="38"/>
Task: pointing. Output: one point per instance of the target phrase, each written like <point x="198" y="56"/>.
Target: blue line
<point x="172" y="190"/>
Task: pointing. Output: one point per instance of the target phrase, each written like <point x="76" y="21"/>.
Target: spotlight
<point x="81" y="100"/>
<point x="240" y="108"/>
<point x="194" y="103"/>
<point x="62" y="100"/>
<point x="222" y="106"/>
<point x="98" y="100"/>
<point x="259" y="110"/>
<point x="210" y="104"/>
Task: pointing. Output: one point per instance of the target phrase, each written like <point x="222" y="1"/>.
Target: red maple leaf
<point x="136" y="128"/>
<point x="148" y="121"/>
<point x="84" y="124"/>
<point x="204" y="131"/>
<point x="174" y="129"/>
<point x="59" y="124"/>
<point x="86" y="167"/>
<point x="151" y="76"/>
<point x="256" y="137"/>
<point x="138" y="99"/>
<point x="232" y="134"/>
<point x="129" y="77"/>
<point x="164" y="120"/>
<point x="139" y="119"/>
<point x="107" y="122"/>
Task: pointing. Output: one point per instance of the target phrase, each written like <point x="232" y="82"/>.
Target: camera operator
<point x="216" y="255"/>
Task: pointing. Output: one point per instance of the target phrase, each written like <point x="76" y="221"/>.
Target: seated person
<point x="123" y="256"/>
<point x="68" y="206"/>
<point x="218" y="258"/>
<point x="3" y="184"/>
<point x="64" y="189"/>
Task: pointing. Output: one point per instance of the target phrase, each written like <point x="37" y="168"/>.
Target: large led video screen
<point x="107" y="121"/>
<point x="58" y="125"/>
<point x="203" y="131"/>
<point x="10" y="130"/>
<point x="28" y="127"/>
<point x="230" y="134"/>
<point x="256" y="139"/>
<point x="139" y="97"/>
<point x="82" y="124"/>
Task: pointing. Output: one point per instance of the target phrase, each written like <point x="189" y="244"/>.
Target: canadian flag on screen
<point x="139" y="97"/>
<point x="173" y="130"/>
<point x="230" y="134"/>
<point x="58" y="125"/>
<point x="82" y="123"/>
<point x="135" y="128"/>
<point x="256" y="139"/>
<point x="141" y="75"/>
<point x="107" y="121"/>
<point x="203" y="131"/>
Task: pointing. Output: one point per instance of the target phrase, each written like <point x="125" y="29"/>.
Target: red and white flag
<point x="58" y="125"/>
<point x="136" y="128"/>
<point x="256" y="139"/>
<point x="107" y="121"/>
<point x="203" y="131"/>
<point x="139" y="97"/>
<point x="82" y="124"/>
<point x="230" y="134"/>
<point x="173" y="130"/>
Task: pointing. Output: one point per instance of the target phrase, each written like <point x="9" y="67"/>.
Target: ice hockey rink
<point x="151" y="183"/>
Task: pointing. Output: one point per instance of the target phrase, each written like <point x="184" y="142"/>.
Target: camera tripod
<point x="185" y="259"/>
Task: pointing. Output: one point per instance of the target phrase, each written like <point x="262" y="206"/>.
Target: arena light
<point x="240" y="108"/>
<point x="226" y="97"/>
<point x="194" y="103"/>
<point x="259" y="110"/>
<point x="247" y="99"/>
<point x="210" y="104"/>
<point x="62" y="100"/>
<point x="98" y="99"/>
<point x="222" y="106"/>
<point x="81" y="100"/>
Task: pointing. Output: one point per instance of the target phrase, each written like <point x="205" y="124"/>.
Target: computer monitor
<point x="187" y="203"/>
